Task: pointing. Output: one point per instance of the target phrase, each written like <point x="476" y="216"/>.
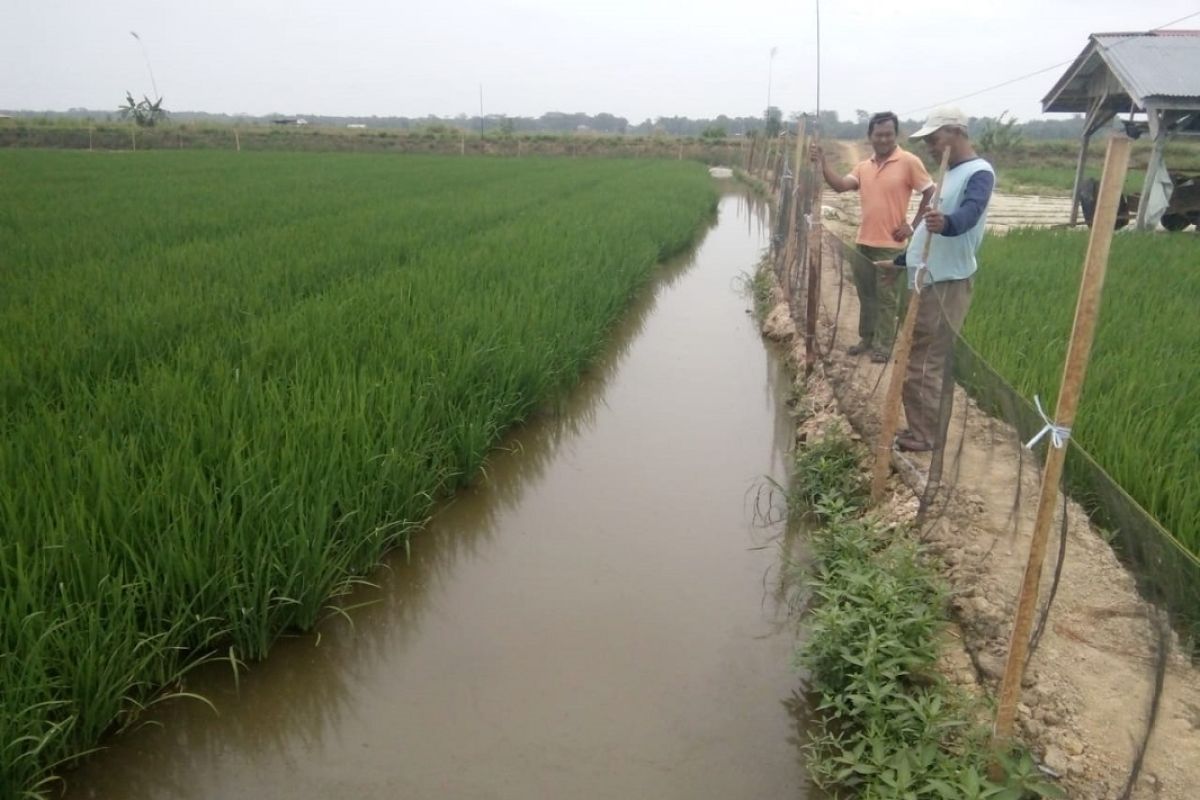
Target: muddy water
<point x="599" y="618"/>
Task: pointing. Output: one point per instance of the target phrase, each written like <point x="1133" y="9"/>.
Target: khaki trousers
<point x="940" y="314"/>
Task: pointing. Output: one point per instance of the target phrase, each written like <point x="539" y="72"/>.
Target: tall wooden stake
<point x="1116" y="162"/>
<point x="900" y="353"/>
<point x="790" y="253"/>
<point x="814" y="242"/>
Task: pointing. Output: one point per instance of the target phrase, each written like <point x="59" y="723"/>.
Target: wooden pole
<point x="814" y="241"/>
<point x="1116" y="162"/>
<point x="900" y="353"/>
<point x="793" y="239"/>
<point x="1158" y="134"/>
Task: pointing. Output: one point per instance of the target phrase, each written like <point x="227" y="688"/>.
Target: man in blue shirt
<point x="956" y="230"/>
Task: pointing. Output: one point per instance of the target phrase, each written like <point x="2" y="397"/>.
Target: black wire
<point x="1160" y="676"/>
<point x="1030" y="74"/>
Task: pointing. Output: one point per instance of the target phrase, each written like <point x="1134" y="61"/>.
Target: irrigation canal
<point x="600" y="618"/>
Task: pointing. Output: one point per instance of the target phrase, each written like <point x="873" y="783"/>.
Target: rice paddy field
<point x="231" y="381"/>
<point x="1138" y="415"/>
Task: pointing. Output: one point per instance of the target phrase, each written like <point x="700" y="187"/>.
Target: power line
<point x="1174" y="21"/>
<point x="1031" y="74"/>
<point x="990" y="88"/>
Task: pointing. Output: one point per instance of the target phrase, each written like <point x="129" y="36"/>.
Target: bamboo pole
<point x="815" y="241"/>
<point x="790" y="253"/>
<point x="900" y="353"/>
<point x="1116" y="163"/>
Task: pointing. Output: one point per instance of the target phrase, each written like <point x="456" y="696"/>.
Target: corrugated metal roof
<point x="1162" y="65"/>
<point x="1155" y="65"/>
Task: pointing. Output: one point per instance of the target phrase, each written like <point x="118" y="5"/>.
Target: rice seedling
<point x="1138" y="416"/>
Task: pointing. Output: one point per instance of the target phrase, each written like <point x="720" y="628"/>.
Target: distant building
<point x="356" y="125"/>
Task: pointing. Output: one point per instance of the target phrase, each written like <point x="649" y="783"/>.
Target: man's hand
<point x="902" y="232"/>
<point x="816" y="154"/>
<point x="935" y="221"/>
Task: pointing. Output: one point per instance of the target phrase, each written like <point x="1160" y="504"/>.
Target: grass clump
<point x="886" y="726"/>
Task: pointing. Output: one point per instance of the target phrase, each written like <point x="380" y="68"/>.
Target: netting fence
<point x="1117" y="629"/>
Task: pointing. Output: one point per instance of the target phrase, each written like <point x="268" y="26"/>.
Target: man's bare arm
<point x="839" y="183"/>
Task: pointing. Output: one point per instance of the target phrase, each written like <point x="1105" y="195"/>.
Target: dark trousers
<point x="878" y="299"/>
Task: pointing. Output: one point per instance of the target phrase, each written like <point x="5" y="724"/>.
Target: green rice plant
<point x="1138" y="416"/>
<point x="229" y="382"/>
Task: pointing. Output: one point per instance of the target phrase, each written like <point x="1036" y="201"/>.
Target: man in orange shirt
<point x="885" y="183"/>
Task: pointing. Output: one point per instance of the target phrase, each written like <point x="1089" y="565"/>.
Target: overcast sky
<point x="632" y="58"/>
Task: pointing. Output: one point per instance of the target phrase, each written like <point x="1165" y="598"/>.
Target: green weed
<point x="887" y="726"/>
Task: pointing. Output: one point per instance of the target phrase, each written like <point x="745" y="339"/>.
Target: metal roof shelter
<point x="1155" y="73"/>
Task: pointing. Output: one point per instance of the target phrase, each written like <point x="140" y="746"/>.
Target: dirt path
<point x="1088" y="690"/>
<point x="1005" y="211"/>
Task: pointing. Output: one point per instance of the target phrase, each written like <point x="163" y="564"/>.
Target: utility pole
<point x="770" y="68"/>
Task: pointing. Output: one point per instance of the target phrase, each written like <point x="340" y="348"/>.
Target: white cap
<point x="940" y="118"/>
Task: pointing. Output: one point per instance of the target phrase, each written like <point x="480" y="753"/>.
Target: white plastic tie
<point x="1059" y="434"/>
<point x="918" y="276"/>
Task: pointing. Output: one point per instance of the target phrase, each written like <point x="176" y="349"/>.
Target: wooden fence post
<point x="1116" y="163"/>
<point x="815" y="243"/>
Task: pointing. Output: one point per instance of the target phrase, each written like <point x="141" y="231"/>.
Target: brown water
<point x="599" y="618"/>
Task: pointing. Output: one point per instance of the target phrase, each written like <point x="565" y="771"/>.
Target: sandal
<point x="910" y="444"/>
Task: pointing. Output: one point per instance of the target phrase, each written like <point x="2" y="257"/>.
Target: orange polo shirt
<point x="884" y="189"/>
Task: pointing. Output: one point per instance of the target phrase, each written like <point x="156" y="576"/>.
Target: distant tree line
<point x="771" y="122"/>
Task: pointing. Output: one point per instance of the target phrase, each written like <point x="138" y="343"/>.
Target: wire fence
<point x="1120" y="603"/>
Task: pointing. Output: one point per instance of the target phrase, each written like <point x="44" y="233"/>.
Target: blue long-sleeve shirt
<point x="976" y="195"/>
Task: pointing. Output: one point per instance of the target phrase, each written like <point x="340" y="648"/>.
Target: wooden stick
<point x="900" y="353"/>
<point x="814" y="241"/>
<point x="793" y="241"/>
<point x="1116" y="162"/>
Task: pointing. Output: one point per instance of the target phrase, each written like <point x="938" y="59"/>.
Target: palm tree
<point x="145" y="114"/>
